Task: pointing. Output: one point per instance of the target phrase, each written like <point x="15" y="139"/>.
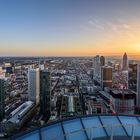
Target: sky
<point x="69" y="27"/>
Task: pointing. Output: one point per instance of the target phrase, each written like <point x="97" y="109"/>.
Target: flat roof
<point x="22" y="107"/>
<point x="122" y="91"/>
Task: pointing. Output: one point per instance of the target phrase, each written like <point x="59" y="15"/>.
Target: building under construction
<point x="121" y="101"/>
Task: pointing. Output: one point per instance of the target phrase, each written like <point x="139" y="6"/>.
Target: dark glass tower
<point x="125" y="62"/>
<point x="102" y="60"/>
<point x="2" y="97"/>
<point x="45" y="94"/>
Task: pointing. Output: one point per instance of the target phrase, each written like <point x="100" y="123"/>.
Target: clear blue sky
<point x="67" y="27"/>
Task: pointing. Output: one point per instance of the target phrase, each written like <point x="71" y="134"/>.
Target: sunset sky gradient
<point x="69" y="27"/>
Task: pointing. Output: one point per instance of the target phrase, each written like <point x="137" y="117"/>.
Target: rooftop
<point x="16" y="115"/>
<point x="122" y="91"/>
<point x="99" y="127"/>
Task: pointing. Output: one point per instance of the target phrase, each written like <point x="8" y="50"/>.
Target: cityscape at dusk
<point x="69" y="70"/>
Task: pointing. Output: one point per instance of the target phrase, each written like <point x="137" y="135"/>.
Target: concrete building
<point x="97" y="67"/>
<point x="19" y="113"/>
<point x="70" y="106"/>
<point x="106" y="76"/>
<point x="95" y="106"/>
<point x="17" y="119"/>
<point x="34" y="85"/>
<point x="2" y="97"/>
<point x="117" y="67"/>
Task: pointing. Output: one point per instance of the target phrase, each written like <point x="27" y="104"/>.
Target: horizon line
<point x="68" y="56"/>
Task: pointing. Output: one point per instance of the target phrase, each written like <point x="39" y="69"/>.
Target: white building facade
<point x="34" y="85"/>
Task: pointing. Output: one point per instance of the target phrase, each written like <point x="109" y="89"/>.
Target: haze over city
<point x="69" y="28"/>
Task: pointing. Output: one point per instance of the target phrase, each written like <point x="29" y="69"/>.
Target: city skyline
<point x="69" y="28"/>
<point x="69" y="69"/>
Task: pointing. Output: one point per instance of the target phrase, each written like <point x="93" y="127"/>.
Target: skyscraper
<point x="45" y="93"/>
<point x="2" y="97"/>
<point x="138" y="88"/>
<point x="133" y="80"/>
<point x="97" y="67"/>
<point x="106" y="76"/>
<point x="34" y="85"/>
<point x="102" y="60"/>
<point x="132" y="77"/>
<point x="125" y="62"/>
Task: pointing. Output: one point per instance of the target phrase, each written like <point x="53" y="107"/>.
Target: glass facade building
<point x="132" y="77"/>
<point x="45" y="93"/>
<point x="101" y="127"/>
<point x="2" y="97"/>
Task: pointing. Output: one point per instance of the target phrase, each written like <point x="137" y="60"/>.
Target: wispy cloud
<point x="96" y="24"/>
<point x="118" y="27"/>
<point x="108" y="30"/>
<point x="107" y="25"/>
<point x="126" y="26"/>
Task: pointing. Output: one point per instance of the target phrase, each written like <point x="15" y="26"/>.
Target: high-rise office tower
<point x="125" y="62"/>
<point x="138" y="88"/>
<point x="106" y="76"/>
<point x="102" y="60"/>
<point x="132" y="77"/>
<point x="34" y="85"/>
<point x="45" y="93"/>
<point x="2" y="98"/>
<point x="97" y="67"/>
